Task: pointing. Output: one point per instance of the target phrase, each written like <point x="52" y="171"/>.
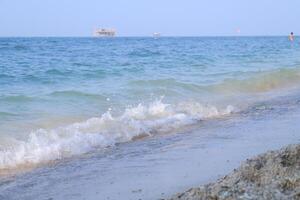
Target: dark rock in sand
<point x="273" y="175"/>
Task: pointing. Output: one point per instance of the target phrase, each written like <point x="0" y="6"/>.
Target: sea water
<point x="63" y="98"/>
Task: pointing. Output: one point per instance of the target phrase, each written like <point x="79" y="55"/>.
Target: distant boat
<point x="104" y="32"/>
<point x="156" y="35"/>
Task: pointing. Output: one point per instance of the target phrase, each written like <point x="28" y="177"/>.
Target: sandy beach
<point x="273" y="175"/>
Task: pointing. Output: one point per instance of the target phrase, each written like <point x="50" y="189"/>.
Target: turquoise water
<point x="62" y="97"/>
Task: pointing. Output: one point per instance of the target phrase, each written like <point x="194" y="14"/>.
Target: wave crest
<point x="99" y="132"/>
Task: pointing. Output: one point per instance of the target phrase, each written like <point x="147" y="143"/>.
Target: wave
<point x="75" y="94"/>
<point x="255" y="83"/>
<point x="167" y="83"/>
<point x="90" y="73"/>
<point x="262" y="82"/>
<point x="44" y="145"/>
<point x="5" y="76"/>
<point x="143" y="53"/>
<point x="17" y="98"/>
<point x="57" y="72"/>
<point x="20" y="47"/>
<point x="7" y="114"/>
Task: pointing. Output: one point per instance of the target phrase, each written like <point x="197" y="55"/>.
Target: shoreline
<point x="272" y="175"/>
<point x="158" y="167"/>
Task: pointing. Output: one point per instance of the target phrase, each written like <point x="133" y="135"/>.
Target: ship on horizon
<point x="104" y="32"/>
<point x="156" y="35"/>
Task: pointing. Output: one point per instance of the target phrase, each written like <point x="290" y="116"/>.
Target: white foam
<point x="99" y="132"/>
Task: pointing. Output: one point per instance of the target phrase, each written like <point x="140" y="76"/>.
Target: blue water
<point x="63" y="97"/>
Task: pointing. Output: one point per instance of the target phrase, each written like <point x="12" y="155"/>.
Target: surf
<point x="44" y="145"/>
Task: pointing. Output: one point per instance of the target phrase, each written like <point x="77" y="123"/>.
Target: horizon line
<point x="141" y="36"/>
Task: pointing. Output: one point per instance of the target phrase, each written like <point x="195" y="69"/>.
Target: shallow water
<point x="64" y="97"/>
<point x="157" y="167"/>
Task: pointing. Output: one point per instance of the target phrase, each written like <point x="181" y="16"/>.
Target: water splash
<point x="99" y="132"/>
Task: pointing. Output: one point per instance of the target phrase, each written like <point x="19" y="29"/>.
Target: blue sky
<point x="143" y="17"/>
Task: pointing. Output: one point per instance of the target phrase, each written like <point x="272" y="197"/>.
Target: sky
<point x="144" y="17"/>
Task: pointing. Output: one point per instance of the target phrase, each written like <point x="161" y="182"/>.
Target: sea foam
<point x="44" y="145"/>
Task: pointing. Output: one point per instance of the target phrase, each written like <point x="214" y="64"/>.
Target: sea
<point x="78" y="111"/>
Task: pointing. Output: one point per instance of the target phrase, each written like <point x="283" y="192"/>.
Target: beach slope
<point x="273" y="175"/>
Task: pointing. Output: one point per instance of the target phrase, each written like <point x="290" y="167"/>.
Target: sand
<point x="273" y="175"/>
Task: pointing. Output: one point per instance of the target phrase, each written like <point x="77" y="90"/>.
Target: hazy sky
<point x="143" y="17"/>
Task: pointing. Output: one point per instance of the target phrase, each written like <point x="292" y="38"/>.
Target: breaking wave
<point x="107" y="130"/>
